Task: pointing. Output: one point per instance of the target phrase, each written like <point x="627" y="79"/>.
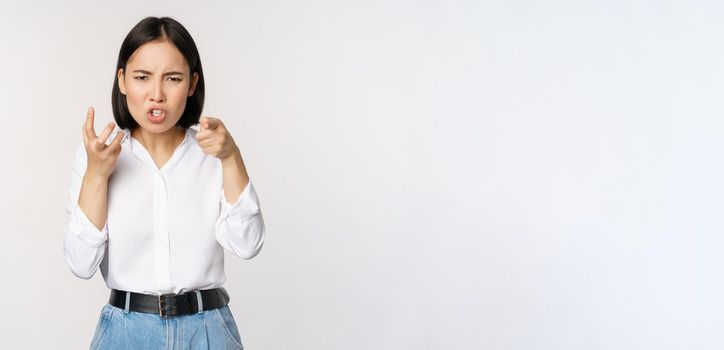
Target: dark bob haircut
<point x="150" y="29"/>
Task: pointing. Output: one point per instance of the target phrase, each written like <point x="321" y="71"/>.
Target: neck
<point x="162" y="143"/>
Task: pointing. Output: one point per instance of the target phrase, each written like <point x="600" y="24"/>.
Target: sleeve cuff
<point x="85" y="230"/>
<point x="245" y="207"/>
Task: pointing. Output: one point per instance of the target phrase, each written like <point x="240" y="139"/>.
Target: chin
<point x="158" y="128"/>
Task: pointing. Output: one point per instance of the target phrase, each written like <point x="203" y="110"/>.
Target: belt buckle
<point x="162" y="305"/>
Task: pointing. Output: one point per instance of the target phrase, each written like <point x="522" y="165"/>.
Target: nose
<point x="157" y="92"/>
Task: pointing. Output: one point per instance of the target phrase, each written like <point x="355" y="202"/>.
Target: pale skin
<point x="156" y="59"/>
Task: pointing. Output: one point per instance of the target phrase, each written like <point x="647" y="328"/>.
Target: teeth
<point x="156" y="112"/>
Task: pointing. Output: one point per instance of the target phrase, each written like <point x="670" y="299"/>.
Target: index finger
<point x="88" y="129"/>
<point x="209" y="123"/>
<point x="212" y="123"/>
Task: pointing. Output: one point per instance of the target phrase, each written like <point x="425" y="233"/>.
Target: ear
<point x="194" y="80"/>
<point x="121" y="81"/>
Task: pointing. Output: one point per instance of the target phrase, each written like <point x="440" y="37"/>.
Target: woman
<point x="154" y="202"/>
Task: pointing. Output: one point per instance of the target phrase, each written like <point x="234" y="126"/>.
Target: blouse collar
<point x="140" y="152"/>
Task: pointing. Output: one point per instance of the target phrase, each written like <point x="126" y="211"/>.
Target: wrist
<point x="95" y="177"/>
<point x="233" y="157"/>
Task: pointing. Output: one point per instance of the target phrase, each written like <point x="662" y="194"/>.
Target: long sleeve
<point x="240" y="226"/>
<point x="84" y="245"/>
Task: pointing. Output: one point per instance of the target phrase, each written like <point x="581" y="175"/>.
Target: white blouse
<point x="166" y="227"/>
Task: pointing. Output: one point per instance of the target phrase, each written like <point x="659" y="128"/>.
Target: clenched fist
<point x="101" y="157"/>
<point x="214" y="139"/>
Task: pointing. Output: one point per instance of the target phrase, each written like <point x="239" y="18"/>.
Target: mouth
<point x="156" y="114"/>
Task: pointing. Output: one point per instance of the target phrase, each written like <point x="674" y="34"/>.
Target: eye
<point x="175" y="79"/>
<point x="139" y="77"/>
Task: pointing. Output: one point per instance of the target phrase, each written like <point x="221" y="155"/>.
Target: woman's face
<point x="156" y="77"/>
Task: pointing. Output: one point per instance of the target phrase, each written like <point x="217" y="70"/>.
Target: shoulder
<point x="79" y="157"/>
<point x="191" y="133"/>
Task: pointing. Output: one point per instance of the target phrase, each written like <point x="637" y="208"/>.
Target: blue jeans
<point x="209" y="329"/>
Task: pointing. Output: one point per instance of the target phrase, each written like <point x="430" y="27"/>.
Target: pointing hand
<point x="214" y="138"/>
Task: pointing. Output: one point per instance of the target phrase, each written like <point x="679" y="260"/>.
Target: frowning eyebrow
<point x="149" y="73"/>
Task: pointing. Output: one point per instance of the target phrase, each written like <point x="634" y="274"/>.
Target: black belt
<point x="169" y="305"/>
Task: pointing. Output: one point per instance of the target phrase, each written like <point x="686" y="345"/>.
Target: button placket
<point x="161" y="231"/>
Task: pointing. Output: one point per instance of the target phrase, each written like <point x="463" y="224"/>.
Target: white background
<point x="433" y="174"/>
